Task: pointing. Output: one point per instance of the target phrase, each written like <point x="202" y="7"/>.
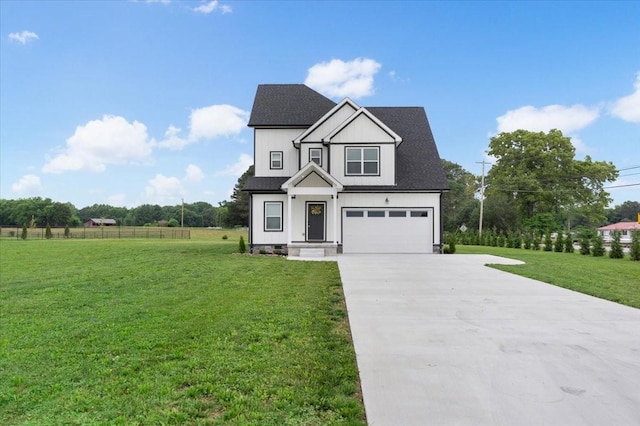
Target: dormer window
<point x="363" y="161"/>
<point x="276" y="159"/>
<point x="315" y="155"/>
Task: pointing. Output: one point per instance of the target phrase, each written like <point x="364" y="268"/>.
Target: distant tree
<point x="634" y="250"/>
<point x="568" y="243"/>
<point x="459" y="204"/>
<point x="238" y="207"/>
<point x="598" y="246"/>
<point x="627" y="211"/>
<point x="47" y="233"/>
<point x="172" y="223"/>
<point x="616" y="248"/>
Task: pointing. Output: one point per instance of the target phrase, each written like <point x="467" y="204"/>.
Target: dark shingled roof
<point x="418" y="166"/>
<point x="294" y="105"/>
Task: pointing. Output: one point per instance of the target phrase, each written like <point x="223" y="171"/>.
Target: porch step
<point x="311" y="252"/>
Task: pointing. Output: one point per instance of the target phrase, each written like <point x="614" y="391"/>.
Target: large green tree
<point x="459" y="205"/>
<point x="538" y="174"/>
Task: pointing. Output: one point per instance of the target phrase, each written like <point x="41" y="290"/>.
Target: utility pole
<point x="182" y="215"/>
<point x="481" y="197"/>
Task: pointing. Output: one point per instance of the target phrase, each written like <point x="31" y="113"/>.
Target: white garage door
<point x="387" y="231"/>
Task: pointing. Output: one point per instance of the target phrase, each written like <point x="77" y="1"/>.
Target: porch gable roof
<point x="311" y="167"/>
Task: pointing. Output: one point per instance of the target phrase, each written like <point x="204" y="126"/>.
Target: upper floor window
<point x="276" y="159"/>
<point x="363" y="161"/>
<point x="315" y="155"/>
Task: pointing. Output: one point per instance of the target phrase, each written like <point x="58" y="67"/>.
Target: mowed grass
<point x="139" y="332"/>
<point x="617" y="280"/>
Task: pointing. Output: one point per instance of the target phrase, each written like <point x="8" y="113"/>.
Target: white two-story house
<point x="340" y="178"/>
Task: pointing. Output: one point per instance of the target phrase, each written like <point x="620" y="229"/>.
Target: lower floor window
<point x="273" y="216"/>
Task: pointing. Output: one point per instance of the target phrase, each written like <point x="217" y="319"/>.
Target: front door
<point x="315" y="221"/>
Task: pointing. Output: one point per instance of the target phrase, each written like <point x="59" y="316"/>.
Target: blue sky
<point x="132" y="102"/>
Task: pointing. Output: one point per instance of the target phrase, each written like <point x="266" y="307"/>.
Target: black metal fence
<point x="97" y="232"/>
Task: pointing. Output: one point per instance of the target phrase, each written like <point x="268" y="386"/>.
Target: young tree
<point x="548" y="242"/>
<point x="558" y="245"/>
<point x="67" y="231"/>
<point x="585" y="244"/>
<point x="23" y="235"/>
<point x="634" y="251"/>
<point x="598" y="247"/>
<point x="241" y="245"/>
<point x="47" y="232"/>
<point x="568" y="243"/>
<point x="616" y="248"/>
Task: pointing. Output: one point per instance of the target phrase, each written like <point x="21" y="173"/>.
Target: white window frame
<point x="361" y="161"/>
<point x="268" y="216"/>
<point x="318" y="155"/>
<point x="273" y="159"/>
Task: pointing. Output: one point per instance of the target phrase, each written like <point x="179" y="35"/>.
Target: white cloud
<point x="27" y="185"/>
<point x="23" y="37"/>
<point x="628" y="107"/>
<point x="216" y="120"/>
<point x="208" y="7"/>
<point x="163" y="189"/>
<point x="193" y="174"/>
<point x="172" y="140"/>
<point x="566" y="119"/>
<point x="337" y="78"/>
<point x="111" y="140"/>
<point x="238" y="168"/>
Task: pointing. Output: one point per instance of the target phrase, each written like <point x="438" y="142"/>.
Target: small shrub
<point x="445" y="249"/>
<point x="277" y="252"/>
<point x="510" y="240"/>
<point x="528" y="241"/>
<point x="452" y="244"/>
<point x="12" y="234"/>
<point x="616" y="248"/>
<point x="548" y="242"/>
<point x="47" y="232"/>
<point x="537" y="242"/>
<point x="598" y="247"/>
<point x="242" y="248"/>
<point x="262" y="251"/>
<point x="225" y="237"/>
<point x="568" y="243"/>
<point x="23" y="235"/>
<point x="585" y="244"/>
<point x="501" y="240"/>
<point x="559" y="243"/>
<point x="67" y="231"/>
<point x="634" y="251"/>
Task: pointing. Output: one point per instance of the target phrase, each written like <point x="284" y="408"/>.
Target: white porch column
<point x="335" y="217"/>
<point x="289" y="218"/>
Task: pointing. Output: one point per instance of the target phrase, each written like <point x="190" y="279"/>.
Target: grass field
<point x="617" y="280"/>
<point x="171" y="332"/>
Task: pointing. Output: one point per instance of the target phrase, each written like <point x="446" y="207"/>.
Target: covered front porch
<point x="312" y="209"/>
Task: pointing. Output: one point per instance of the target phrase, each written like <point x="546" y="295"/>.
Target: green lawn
<point x="171" y="332"/>
<point x="617" y="280"/>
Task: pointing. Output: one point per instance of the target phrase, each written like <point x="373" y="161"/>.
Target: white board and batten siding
<point x="267" y="140"/>
<point x="259" y="235"/>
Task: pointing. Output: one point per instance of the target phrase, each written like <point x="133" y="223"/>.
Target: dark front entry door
<point x="315" y="222"/>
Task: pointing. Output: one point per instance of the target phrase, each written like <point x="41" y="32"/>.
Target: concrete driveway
<point x="443" y="340"/>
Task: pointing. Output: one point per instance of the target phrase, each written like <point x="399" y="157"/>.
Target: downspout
<point x="250" y="222"/>
<point x="441" y="224"/>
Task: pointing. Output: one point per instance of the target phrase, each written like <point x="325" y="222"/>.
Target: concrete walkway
<point x="443" y="340"/>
